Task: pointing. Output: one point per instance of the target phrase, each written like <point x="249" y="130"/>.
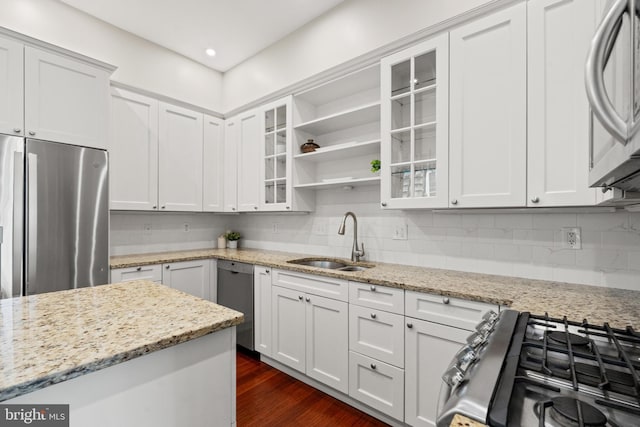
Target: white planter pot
<point x="232" y="244"/>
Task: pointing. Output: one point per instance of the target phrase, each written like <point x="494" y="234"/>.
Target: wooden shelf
<point x="351" y="182"/>
<point x="342" y="120"/>
<point x="340" y="151"/>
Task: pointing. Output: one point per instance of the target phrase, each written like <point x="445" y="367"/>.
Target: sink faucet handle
<point x="359" y="253"/>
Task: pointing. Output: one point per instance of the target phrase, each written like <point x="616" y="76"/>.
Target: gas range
<point x="553" y="373"/>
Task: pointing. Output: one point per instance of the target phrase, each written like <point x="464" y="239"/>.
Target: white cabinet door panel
<point x="180" y="158"/>
<point x="230" y="182"/>
<point x="430" y="347"/>
<point x="133" y="151"/>
<point x="488" y="111"/>
<point x="11" y="87"/>
<point x="288" y="324"/>
<point x="558" y="113"/>
<point x="213" y="164"/>
<point x="191" y="277"/>
<point x="249" y="150"/>
<point x="65" y="101"/>
<point x="327" y="342"/>
<point x="262" y="310"/>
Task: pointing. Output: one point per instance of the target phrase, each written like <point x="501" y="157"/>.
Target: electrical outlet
<point x="571" y="238"/>
<point x="146" y="229"/>
<point x="186" y="227"/>
<point x="400" y="232"/>
<point x="275" y="228"/>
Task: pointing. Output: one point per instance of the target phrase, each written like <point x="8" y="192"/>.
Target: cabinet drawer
<point x="454" y="312"/>
<point x="377" y="384"/>
<point x="144" y="272"/>
<point x="377" y="334"/>
<point x="378" y="297"/>
<point x="317" y="285"/>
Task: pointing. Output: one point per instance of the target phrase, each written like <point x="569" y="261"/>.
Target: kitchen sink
<point x="330" y="264"/>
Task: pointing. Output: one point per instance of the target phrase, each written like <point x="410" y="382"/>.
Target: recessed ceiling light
<point x="210" y="52"/>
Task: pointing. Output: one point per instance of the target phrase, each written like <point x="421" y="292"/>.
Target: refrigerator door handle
<point x="18" y="222"/>
<point x="31" y="237"/>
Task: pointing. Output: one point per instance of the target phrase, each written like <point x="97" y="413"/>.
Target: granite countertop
<point x="619" y="307"/>
<point x="49" y="338"/>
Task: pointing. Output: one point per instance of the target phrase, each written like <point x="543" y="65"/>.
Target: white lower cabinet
<point x="376" y="384"/>
<point x="192" y="277"/>
<point x="309" y="335"/>
<point x="262" y="309"/>
<point x="429" y="348"/>
<point x="377" y="334"/>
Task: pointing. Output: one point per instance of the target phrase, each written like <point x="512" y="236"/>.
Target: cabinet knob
<point x="17" y="130"/>
<point x="233" y="209"/>
<point x="373" y="366"/>
<point x="535" y="200"/>
<point x="288" y="207"/>
<point x="32" y="133"/>
<point x="168" y="267"/>
<point x="155" y="207"/>
<point x="384" y="204"/>
<point x="255" y="208"/>
<point x="445" y="300"/>
<point x="410" y="325"/>
<point x="307" y="299"/>
<point x="373" y="288"/>
<point x="139" y="269"/>
<point x="373" y="315"/>
<point x="300" y="297"/>
<point x="266" y="271"/>
<point x="454" y="201"/>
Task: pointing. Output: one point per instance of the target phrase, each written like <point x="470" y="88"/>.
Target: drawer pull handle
<point x="445" y="300"/>
<point x="168" y="267"/>
<point x="266" y="271"/>
<point x="307" y="299"/>
<point x="373" y="315"/>
<point x="373" y="288"/>
<point x="410" y="325"/>
<point x="139" y="269"/>
<point x="300" y="297"/>
<point x="373" y="366"/>
<point x="32" y="133"/>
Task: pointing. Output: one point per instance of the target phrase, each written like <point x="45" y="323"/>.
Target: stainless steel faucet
<point x="356" y="253"/>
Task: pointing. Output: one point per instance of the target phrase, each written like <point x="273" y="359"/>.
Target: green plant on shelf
<point x="232" y="235"/>
<point x="375" y="165"/>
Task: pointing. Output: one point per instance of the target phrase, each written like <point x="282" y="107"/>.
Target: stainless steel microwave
<point x="612" y="79"/>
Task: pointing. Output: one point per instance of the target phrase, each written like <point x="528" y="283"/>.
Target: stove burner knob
<point x="490" y="316"/>
<point x="464" y="357"/>
<point x="453" y="376"/>
<point x="476" y="339"/>
<point x="484" y="327"/>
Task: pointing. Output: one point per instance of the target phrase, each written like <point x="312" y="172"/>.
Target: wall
<point x="140" y="63"/>
<point x="513" y="244"/>
<point x="353" y="28"/>
<point x="137" y="232"/>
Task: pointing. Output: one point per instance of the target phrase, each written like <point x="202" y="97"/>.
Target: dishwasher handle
<point x="235" y="267"/>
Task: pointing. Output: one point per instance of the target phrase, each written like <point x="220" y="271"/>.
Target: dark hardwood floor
<point x="268" y="397"/>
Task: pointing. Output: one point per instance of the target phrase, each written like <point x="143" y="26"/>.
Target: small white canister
<point x="222" y="242"/>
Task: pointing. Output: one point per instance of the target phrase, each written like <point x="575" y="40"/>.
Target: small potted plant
<point x="232" y="239"/>
<point x="375" y="166"/>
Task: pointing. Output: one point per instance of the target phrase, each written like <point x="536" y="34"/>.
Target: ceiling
<point x="236" y="29"/>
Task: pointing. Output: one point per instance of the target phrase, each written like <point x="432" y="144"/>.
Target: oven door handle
<point x="594" y="74"/>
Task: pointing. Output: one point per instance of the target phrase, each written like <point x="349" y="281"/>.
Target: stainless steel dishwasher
<point x="235" y="290"/>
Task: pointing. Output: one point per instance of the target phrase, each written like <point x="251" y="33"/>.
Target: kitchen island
<point x="134" y="353"/>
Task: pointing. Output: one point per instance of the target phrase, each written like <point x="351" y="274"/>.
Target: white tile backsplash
<point x="518" y="244"/>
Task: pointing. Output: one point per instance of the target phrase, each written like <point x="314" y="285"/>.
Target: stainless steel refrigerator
<point x="54" y="216"/>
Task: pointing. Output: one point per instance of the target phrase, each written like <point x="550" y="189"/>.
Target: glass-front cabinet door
<point x="414" y="126"/>
<point x="275" y="188"/>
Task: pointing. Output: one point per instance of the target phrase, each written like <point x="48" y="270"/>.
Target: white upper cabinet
<point x="230" y="169"/>
<point x="11" y="87"/>
<point x="488" y="101"/>
<point x="560" y="33"/>
<point x="249" y="150"/>
<point x="213" y="164"/>
<point x="275" y="166"/>
<point x="415" y="127"/>
<point x="133" y="151"/>
<point x="180" y="158"/>
<point x="65" y="100"/>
